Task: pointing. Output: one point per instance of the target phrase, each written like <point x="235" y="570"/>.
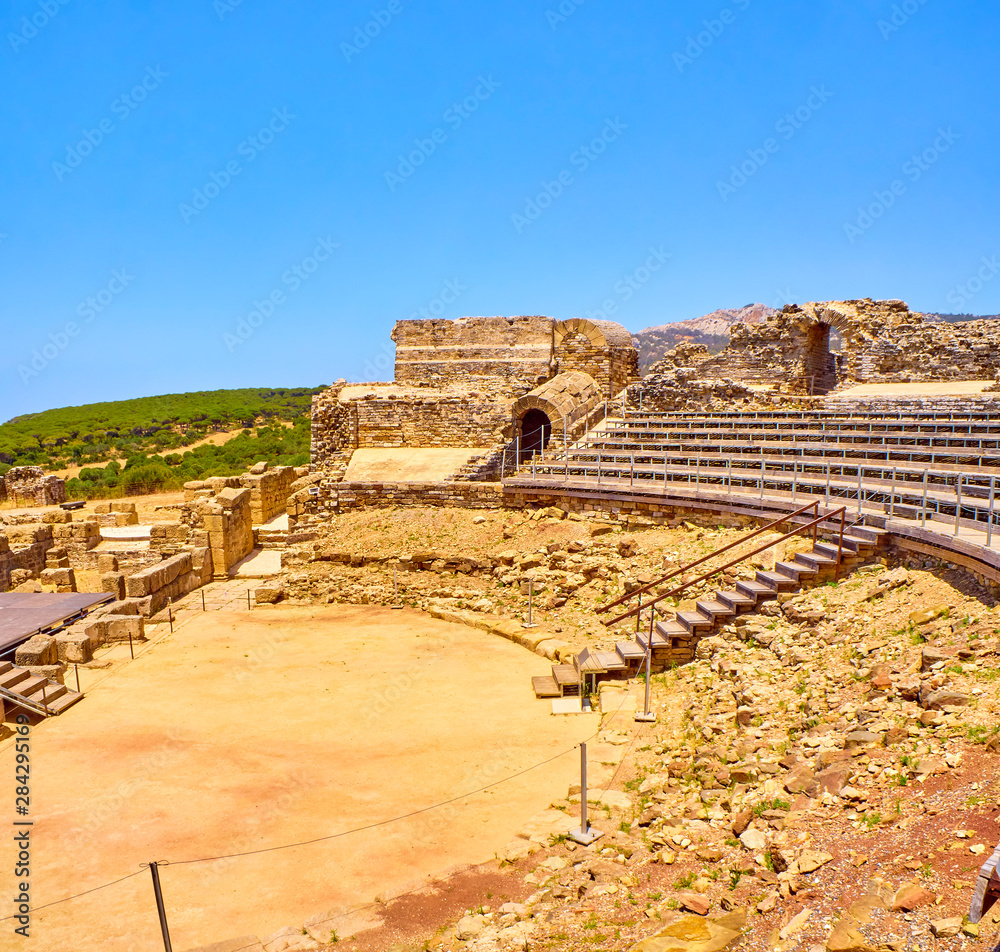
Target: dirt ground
<point x="246" y="731"/>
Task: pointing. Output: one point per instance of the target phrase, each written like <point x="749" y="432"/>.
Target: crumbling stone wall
<point x="601" y="349"/>
<point x="269" y="490"/>
<point x="229" y="526"/>
<point x="500" y="353"/>
<point x="883" y="342"/>
<point x="29" y="486"/>
<point x="149" y="590"/>
<point x="457" y="383"/>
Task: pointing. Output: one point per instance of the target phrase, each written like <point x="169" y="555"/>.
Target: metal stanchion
<point x="530" y="623"/>
<point x="161" y="912"/>
<point x="586" y="834"/>
<point x="76" y="668"/>
<point x="395" y="586"/>
<point x="923" y="505"/>
<point x="989" y="523"/>
<point x="248" y="600"/>
<point x="958" y="501"/>
<point x="203" y="599"/>
<point x="131" y="650"/>
<point x="647" y="716"/>
<point x="170" y="617"/>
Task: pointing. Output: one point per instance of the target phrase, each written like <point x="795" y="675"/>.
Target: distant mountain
<point x="711" y="330"/>
<point x="958" y="318"/>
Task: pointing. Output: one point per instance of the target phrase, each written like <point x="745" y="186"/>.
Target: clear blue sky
<point x="177" y="162"/>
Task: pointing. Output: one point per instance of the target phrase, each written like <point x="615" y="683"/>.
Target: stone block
<point x="269" y="593"/>
<point x="114" y="582"/>
<point x="126" y="519"/>
<point x="54" y="672"/>
<point x="119" y="627"/>
<point x="54" y="516"/>
<point x="39" y="650"/>
<point x="119" y="505"/>
<point x="107" y="563"/>
<point x="74" y="647"/>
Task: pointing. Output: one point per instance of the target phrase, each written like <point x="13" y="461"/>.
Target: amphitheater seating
<point x="919" y="465"/>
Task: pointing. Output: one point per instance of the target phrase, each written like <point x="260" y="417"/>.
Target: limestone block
<point x="53" y="516"/>
<point x="54" y="672"/>
<point x="126" y="518"/>
<point x="114" y="582"/>
<point x="269" y="593"/>
<point x="63" y="579"/>
<point x="119" y="505"/>
<point x="102" y="508"/>
<point x="119" y="627"/>
<point x="74" y="647"/>
<point x="107" y="563"/>
<point x="41" y="649"/>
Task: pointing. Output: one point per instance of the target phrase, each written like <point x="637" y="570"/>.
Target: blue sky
<point x="250" y="193"/>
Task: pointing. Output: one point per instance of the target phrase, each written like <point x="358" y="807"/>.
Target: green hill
<point x="150" y="433"/>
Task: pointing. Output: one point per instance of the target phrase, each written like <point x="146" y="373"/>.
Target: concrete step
<point x="755" y="590"/>
<point x="716" y="610"/>
<point x="695" y="622"/>
<point x="796" y="571"/>
<point x="738" y="601"/>
<point x="776" y="582"/>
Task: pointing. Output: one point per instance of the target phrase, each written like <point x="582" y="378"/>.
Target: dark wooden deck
<point x="23" y="614"/>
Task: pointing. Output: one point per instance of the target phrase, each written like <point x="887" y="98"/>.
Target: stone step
<point x="755" y="590"/>
<point x="793" y="570"/>
<point x="714" y="609"/>
<point x="695" y="621"/>
<point x="816" y="561"/>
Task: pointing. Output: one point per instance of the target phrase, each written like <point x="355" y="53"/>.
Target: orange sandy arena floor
<point x="199" y="749"/>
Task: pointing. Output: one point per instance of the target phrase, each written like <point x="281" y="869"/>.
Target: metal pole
<point x="76" y="668"/>
<point x="203" y="599"/>
<point x="503" y="463"/>
<point x="131" y="651"/>
<point x="958" y="501"/>
<point x="170" y="617"/>
<point x="795" y="478"/>
<point x="859" y="489"/>
<point x="923" y="505"/>
<point x="989" y="524"/>
<point x="598" y="467"/>
<point x="584" y="822"/>
<point x="248" y="599"/>
<point x="828" y="484"/>
<point x="892" y="494"/>
<point x="159" y="907"/>
<point x="762" y="477"/>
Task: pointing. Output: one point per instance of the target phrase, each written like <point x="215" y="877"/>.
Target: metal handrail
<point x="732" y="545"/>
<point x="22" y="701"/>
<point x="842" y="512"/>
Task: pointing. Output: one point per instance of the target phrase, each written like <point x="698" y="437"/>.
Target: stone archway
<point x="534" y="430"/>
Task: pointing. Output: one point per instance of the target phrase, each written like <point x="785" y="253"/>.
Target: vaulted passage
<point x="820" y="365"/>
<point x="536" y="428"/>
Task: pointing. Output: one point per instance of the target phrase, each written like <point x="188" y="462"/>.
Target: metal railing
<point x="812" y="524"/>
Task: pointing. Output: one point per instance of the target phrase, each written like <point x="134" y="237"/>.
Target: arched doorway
<point x="536" y="428"/>
<point x="820" y="364"/>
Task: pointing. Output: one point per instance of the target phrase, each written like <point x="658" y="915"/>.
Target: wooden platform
<point x="23" y="614"/>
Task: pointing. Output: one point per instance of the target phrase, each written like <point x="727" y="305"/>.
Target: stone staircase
<point x="20" y="688"/>
<point x="675" y="639"/>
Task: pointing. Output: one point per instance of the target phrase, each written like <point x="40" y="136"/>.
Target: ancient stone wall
<point x="600" y="349"/>
<point x="882" y="342"/>
<point x="29" y="486"/>
<point x="335" y="497"/>
<point x="269" y="490"/>
<point x="334" y="425"/>
<point x="431" y="419"/>
<point x="149" y="590"/>
<point x="227" y="521"/>
<point x="504" y="353"/>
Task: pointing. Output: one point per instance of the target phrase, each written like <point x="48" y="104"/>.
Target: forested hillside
<point x="133" y="446"/>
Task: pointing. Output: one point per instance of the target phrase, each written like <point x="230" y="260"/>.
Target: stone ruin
<point x="882" y="342"/>
<point x="30" y="486"/>
<point x="479" y="382"/>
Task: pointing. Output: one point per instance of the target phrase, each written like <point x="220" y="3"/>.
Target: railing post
<point x="631" y="469"/>
<point x="859" y="489"/>
<point x="762" y="477"/>
<point x="923" y="505"/>
<point x="828" y="484"/>
<point x="598" y="467"/>
<point x="989" y="523"/>
<point x="892" y="494"/>
<point x="503" y="463"/>
<point x="795" y="478"/>
<point x="840" y="544"/>
<point x="958" y="501"/>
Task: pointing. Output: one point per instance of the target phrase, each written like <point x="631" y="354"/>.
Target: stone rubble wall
<point x="883" y="342"/>
<point x="229" y="525"/>
<point x="29" y="486"/>
<point x="338" y="497"/>
<point x="436" y="419"/>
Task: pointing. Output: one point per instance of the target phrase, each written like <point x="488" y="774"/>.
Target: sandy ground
<point x="407" y="465"/>
<point x="249" y="730"/>
<point x="938" y="388"/>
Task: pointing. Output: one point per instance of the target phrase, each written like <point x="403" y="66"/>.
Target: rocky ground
<point x="824" y="776"/>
